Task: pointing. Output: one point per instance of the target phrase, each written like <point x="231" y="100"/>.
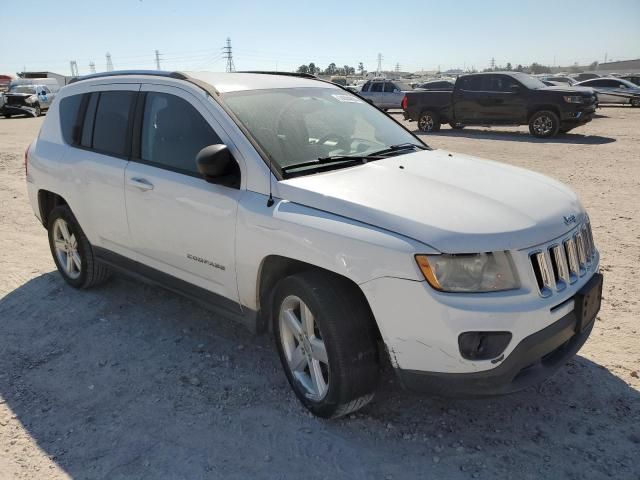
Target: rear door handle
<point x="141" y="184"/>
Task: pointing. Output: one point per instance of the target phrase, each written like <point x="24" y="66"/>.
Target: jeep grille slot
<point x="561" y="263"/>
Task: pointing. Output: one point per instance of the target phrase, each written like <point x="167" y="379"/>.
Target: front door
<point x="180" y="224"/>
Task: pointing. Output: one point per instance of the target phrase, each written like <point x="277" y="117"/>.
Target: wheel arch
<point x="274" y="268"/>
<point x="47" y="201"/>
<point x="540" y="108"/>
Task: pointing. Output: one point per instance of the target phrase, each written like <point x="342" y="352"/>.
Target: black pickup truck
<point x="502" y="98"/>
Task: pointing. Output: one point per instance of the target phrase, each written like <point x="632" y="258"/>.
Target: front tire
<point x="429" y="121"/>
<point x="544" y="124"/>
<point x="38" y="110"/>
<point x="324" y="336"/>
<point x="635" y="102"/>
<point x="72" y="252"/>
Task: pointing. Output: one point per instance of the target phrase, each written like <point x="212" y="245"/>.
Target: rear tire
<point x="325" y="338"/>
<point x="429" y="121"/>
<point x="72" y="252"/>
<point x="544" y="124"/>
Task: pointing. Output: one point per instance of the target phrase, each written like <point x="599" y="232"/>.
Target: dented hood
<point x="452" y="202"/>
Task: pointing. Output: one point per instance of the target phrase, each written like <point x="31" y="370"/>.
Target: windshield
<point x="294" y="125"/>
<point x="22" y="89"/>
<point x="529" y="81"/>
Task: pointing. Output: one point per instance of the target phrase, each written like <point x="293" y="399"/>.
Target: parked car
<point x="614" y="90"/>
<point x="298" y="208"/>
<point x="579" y="77"/>
<point x="51" y="83"/>
<point x="26" y="100"/>
<point x="436" y="85"/>
<point x="635" y="79"/>
<point x="560" y="79"/>
<point x="504" y="98"/>
<point x="384" y="94"/>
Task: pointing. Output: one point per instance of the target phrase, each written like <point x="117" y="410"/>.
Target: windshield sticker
<point x="347" y="98"/>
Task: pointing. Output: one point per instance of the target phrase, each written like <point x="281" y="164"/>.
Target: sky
<point x="281" y="35"/>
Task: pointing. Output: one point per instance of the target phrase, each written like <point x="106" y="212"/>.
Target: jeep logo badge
<point x="569" y="219"/>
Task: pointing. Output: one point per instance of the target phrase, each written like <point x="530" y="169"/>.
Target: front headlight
<point x="31" y="99"/>
<point x="482" y="272"/>
<point x="573" y="99"/>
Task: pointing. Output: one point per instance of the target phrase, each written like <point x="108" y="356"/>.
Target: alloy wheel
<point x="425" y="123"/>
<point x="304" y="347"/>
<point x="543" y="125"/>
<point x="66" y="248"/>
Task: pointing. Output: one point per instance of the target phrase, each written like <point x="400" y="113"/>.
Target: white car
<point x="298" y="208"/>
<point x="614" y="90"/>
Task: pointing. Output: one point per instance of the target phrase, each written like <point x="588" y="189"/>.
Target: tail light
<point x="404" y="103"/>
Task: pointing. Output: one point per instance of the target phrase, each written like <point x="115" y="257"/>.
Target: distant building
<point x="625" y="66"/>
<point x="4" y="82"/>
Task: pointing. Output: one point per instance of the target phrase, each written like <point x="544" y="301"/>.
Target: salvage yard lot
<point x="130" y="381"/>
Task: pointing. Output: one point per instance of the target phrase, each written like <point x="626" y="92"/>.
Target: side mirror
<point x="216" y="165"/>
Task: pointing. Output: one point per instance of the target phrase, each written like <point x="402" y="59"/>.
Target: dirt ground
<point x="129" y="381"/>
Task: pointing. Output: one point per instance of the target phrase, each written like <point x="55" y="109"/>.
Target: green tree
<point x="508" y="68"/>
<point x="313" y="69"/>
<point x="331" y="69"/>
<point x="519" y="68"/>
<point x="536" y="68"/>
<point x="361" y="68"/>
<point x="303" y="69"/>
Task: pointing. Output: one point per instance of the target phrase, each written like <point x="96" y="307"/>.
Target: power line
<point x="228" y="54"/>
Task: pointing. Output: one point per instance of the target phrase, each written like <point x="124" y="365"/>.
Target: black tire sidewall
<point x="65" y="213"/>
<point x="335" y="395"/>
<point x="38" y="110"/>
<point x="436" y="121"/>
<point x="550" y="114"/>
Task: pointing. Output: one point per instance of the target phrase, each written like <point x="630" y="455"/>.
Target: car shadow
<point x="130" y="381"/>
<point x="518" y="136"/>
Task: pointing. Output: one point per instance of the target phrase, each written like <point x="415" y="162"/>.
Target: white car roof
<point x="235" y="82"/>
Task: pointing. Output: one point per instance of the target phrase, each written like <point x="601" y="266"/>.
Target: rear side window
<point x="173" y="132"/>
<point x="376" y="87"/>
<point x="111" y="127"/>
<point x="69" y="119"/>
<point x="473" y="84"/>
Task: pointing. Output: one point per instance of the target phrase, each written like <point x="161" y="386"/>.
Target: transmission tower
<point x="228" y="55"/>
<point x="379" y="64"/>
<point x="493" y="63"/>
<point x="397" y="69"/>
<point x="157" y="60"/>
<point x="109" y="62"/>
<point x="74" y="68"/>
<point x="92" y="67"/>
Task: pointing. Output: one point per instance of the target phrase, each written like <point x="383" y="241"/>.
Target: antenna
<point x="270" y="202"/>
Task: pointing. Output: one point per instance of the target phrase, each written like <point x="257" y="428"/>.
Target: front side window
<point x="376" y="87"/>
<point x="112" y="122"/>
<point x="389" y="87"/>
<point x="294" y="125"/>
<point x="173" y="132"/>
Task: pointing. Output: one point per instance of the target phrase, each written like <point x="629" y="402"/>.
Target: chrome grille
<point x="562" y="263"/>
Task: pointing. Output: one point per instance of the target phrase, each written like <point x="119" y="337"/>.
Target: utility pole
<point x="379" y="65"/>
<point x="92" y="67"/>
<point x="109" y="62"/>
<point x="605" y="57"/>
<point x="157" y="60"/>
<point x="228" y="55"/>
<point x="74" y="68"/>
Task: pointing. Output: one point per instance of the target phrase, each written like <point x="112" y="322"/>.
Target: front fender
<point x="357" y="251"/>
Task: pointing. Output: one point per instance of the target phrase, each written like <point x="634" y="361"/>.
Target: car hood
<point x="452" y="202"/>
<point x="568" y="89"/>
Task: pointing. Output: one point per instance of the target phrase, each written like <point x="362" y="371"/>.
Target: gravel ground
<point x="129" y="381"/>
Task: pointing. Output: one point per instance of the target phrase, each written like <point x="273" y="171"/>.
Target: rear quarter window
<point x="112" y="122"/>
<point x="69" y="118"/>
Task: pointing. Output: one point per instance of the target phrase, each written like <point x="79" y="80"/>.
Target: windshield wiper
<point x="337" y="159"/>
<point x="352" y="159"/>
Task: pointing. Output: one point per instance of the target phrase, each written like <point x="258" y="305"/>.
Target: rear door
<point x="98" y="160"/>
<point x="467" y="99"/>
<point x="375" y="93"/>
<point x="179" y="223"/>
<point x="606" y="89"/>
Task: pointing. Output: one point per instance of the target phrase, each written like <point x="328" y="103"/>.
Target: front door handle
<point x="141" y="184"/>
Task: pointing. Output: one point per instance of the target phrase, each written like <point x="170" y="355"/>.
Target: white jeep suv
<point x="296" y="207"/>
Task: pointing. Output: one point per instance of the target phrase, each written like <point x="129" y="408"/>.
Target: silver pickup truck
<point x="384" y="94"/>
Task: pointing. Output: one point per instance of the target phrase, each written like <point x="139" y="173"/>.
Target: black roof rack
<point x="155" y="73"/>
<point x="286" y="74"/>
